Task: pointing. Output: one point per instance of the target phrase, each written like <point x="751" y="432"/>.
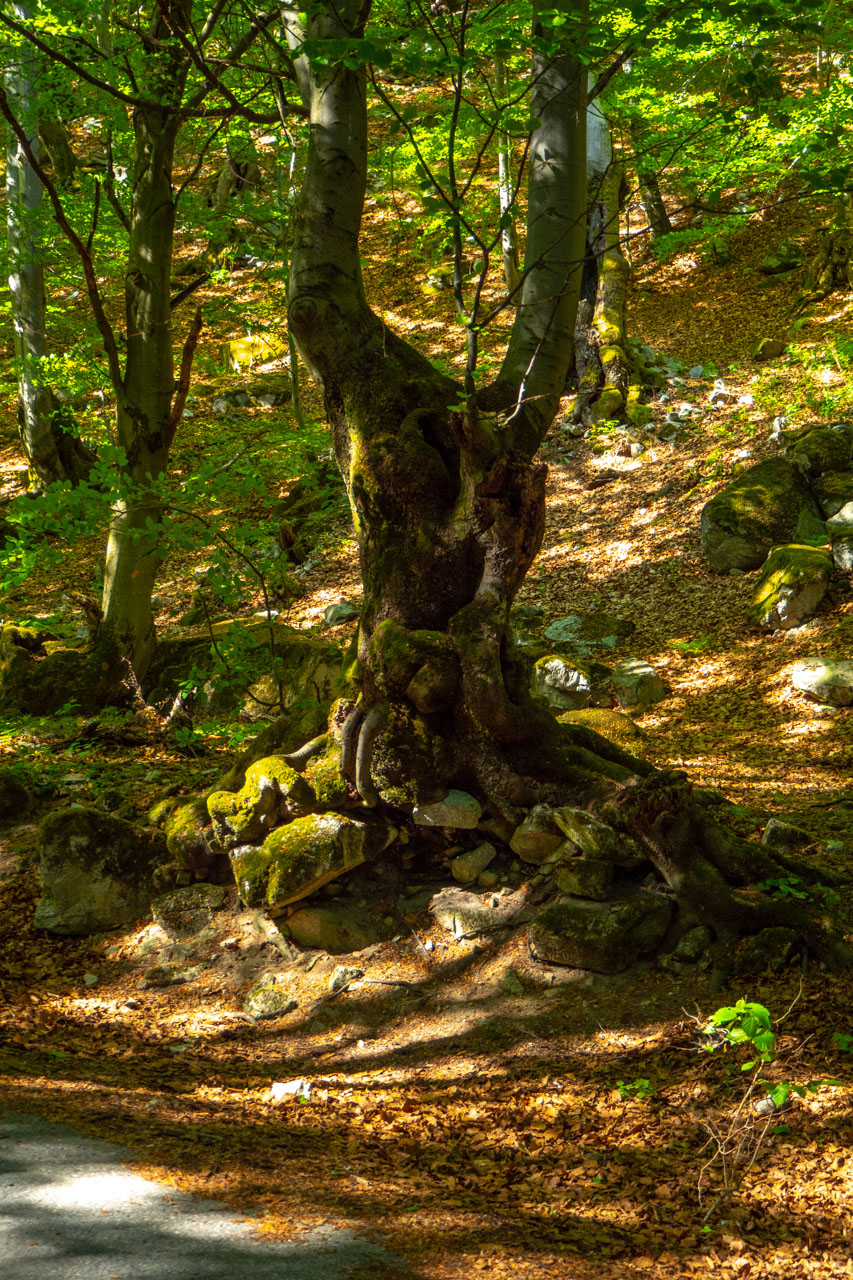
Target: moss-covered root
<point x="698" y="863"/>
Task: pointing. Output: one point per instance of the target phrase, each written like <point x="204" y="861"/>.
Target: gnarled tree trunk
<point x="448" y="505"/>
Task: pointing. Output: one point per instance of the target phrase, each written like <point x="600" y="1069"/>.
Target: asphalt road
<point x="70" y="1210"/>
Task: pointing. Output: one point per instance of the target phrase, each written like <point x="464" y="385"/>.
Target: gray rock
<point x="466" y="915"/>
<point x="784" y="835"/>
<point x="833" y="491"/>
<point x="467" y="866"/>
<point x="840" y="523"/>
<point x="606" y="937"/>
<point x="187" y="911"/>
<point x="538" y="836"/>
<point x="842" y="553"/>
<point x="766" y="505"/>
<point x="297" y="859"/>
<point x="568" y="684"/>
<point x="595" y="839"/>
<point x="590" y="629"/>
<point x="269" y="997"/>
<point x="458" y="809"/>
<point x="637" y="684"/>
<point x="585" y="878"/>
<point x="342" y="975"/>
<point x="828" y="680"/>
<point x="691" y="946"/>
<point x="343" y="611"/>
<point x="696" y="371"/>
<point x="97" y="871"/>
<point x="790" y="587"/>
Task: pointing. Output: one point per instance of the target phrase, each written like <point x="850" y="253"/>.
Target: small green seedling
<point x="639" y="1088"/>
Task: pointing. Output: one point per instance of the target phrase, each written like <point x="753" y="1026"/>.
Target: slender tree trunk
<point x="26" y="270"/>
<point x="145" y="418"/>
<point x="648" y="182"/>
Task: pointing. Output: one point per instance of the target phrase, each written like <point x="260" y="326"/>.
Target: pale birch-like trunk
<point x="26" y="268"/>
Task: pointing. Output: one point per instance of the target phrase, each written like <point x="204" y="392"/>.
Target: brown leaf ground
<point x="561" y="1133"/>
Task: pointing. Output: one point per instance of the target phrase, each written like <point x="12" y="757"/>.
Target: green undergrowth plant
<point x="738" y="1140"/>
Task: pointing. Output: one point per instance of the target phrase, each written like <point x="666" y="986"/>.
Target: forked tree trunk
<point x="448" y="505"/>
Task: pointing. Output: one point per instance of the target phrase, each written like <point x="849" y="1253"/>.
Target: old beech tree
<point x="448" y="501"/>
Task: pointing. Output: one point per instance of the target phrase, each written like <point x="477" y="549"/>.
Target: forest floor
<point x="566" y="1128"/>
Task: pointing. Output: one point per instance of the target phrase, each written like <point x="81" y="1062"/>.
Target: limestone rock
<point x="585" y="877"/>
<point x="568" y="684"/>
<point x="765" y="505"/>
<point x="595" y="839"/>
<point x="187" y="911"/>
<point x="603" y="936"/>
<point x="466" y="914"/>
<point x="833" y="492"/>
<point x="343" y="611"/>
<point x="97" y="871"/>
<point x="458" y="809"/>
<point x="269" y="997"/>
<point x="791" y="585"/>
<point x="467" y="866"/>
<point x="272" y="793"/>
<point x="594" y="629"/>
<point x="637" y="684"/>
<point x="297" y="859"/>
<point x="693" y="945"/>
<point x="538" y="835"/>
<point x="342" y="975"/>
<point x="339" y="930"/>
<point x="828" y="680"/>
<point x="784" y="835"/>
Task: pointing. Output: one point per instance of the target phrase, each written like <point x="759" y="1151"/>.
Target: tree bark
<point x="145" y="418"/>
<point x="26" y="269"/>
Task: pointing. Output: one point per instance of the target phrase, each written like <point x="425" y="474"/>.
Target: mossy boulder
<point x="187" y="830"/>
<point x="538" y="836"/>
<point x="615" y="726"/>
<point x="186" y="912"/>
<point x="273" y="793"/>
<point x="585" y="877"/>
<point x="766" y="505"/>
<point x="569" y="684"/>
<point x="299" y="858"/>
<point x="833" y="491"/>
<point x="825" y="449"/>
<point x="97" y="871"/>
<point x="323" y="774"/>
<point x="606" y="937"/>
<point x="596" y="839"/>
<point x="790" y="587"/>
<point x="340" y="929"/>
<point x="270" y="997"/>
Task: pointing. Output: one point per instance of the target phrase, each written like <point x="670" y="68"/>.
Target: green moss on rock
<point x="792" y="584"/>
<point x="297" y="859"/>
<point x="273" y="792"/>
<point x="766" y="505"/>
